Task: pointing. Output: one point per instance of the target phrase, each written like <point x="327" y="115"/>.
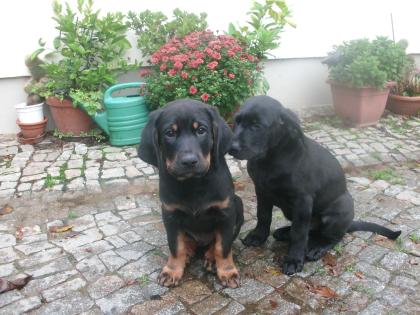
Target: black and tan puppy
<point x="187" y="141"/>
<point x="299" y="176"/>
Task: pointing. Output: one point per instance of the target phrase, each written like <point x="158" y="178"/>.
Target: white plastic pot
<point x="30" y="114"/>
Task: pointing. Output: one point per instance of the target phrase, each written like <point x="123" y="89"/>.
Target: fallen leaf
<point x="413" y="261"/>
<point x="19" y="233"/>
<point x="6" y="285"/>
<point x="273" y="303"/>
<point x="60" y="229"/>
<point x="329" y="259"/>
<point x="324" y="291"/>
<point x="239" y="185"/>
<point x="359" y="275"/>
<point x="6" y="209"/>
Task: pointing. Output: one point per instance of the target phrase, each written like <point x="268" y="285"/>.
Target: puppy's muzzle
<point x="189" y="160"/>
<point x="235" y="148"/>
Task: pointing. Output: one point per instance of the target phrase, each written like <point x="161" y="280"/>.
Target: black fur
<point x="185" y="179"/>
<point x="298" y="175"/>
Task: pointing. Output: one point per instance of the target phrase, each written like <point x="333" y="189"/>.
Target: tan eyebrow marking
<point x="174" y="127"/>
<point x="195" y="125"/>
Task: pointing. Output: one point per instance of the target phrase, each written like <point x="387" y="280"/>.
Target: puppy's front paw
<point x="292" y="265"/>
<point x="256" y="237"/>
<point x="170" y="277"/>
<point x="229" y="276"/>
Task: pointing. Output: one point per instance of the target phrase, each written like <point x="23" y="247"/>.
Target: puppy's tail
<point x="373" y="227"/>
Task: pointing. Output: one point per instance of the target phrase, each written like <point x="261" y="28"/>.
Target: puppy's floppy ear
<point x="291" y="123"/>
<point x="222" y="135"/>
<point x="149" y="145"/>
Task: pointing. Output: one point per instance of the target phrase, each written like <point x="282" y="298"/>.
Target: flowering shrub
<point x="215" y="69"/>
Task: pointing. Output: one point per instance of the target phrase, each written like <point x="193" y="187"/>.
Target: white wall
<point x="320" y="23"/>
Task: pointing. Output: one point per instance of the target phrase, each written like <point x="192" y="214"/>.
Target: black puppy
<point x="187" y="141"/>
<point x="299" y="176"/>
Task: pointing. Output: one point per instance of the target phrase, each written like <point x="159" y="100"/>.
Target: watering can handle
<point x="121" y="86"/>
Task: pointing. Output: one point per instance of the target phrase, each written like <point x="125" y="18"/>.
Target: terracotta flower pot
<point x="32" y="130"/>
<point x="67" y="118"/>
<point x="359" y="107"/>
<point x="404" y="105"/>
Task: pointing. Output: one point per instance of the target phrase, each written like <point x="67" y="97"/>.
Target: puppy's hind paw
<point x="255" y="238"/>
<point x="229" y="277"/>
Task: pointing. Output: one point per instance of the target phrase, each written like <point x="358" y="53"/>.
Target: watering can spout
<point x="102" y="120"/>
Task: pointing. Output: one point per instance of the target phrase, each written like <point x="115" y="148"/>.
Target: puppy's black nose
<point x="189" y="160"/>
<point x="234" y="149"/>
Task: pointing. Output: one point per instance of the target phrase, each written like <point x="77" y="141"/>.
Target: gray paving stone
<point x="275" y="304"/>
<point x="7" y="255"/>
<point x="94" y="154"/>
<point x="9" y="297"/>
<point x="394" y="260"/>
<point x="112" y="261"/>
<point x="373" y="271"/>
<point x="125" y="202"/>
<point x="64" y="289"/>
<point x="82" y="223"/>
<point x="376" y="308"/>
<point x="116" y="240"/>
<point x="114" y="228"/>
<point x="104" y="286"/>
<point x="250" y="291"/>
<point x="21" y="306"/>
<point x="80" y="253"/>
<point x="132" y="213"/>
<point x="37" y="285"/>
<point x="72" y="173"/>
<point x="92" y="268"/>
<point x="24" y="187"/>
<point x="405" y="283"/>
<point x="372" y="253"/>
<point x="134" y="251"/>
<point x="7" y="240"/>
<point x="233" y="308"/>
<point x="120" y="301"/>
<point x="41" y="257"/>
<point x="92" y="173"/>
<point x="55" y="266"/>
<point x="113" y="173"/>
<point x="106" y="218"/>
<point x="144" y="266"/>
<point x="116" y="156"/>
<point x="85" y="237"/>
<point x="28" y="249"/>
<point x="132" y="172"/>
<point x="7" y="269"/>
<point x="130" y="237"/>
<point x="76" y="303"/>
<point x="210" y="305"/>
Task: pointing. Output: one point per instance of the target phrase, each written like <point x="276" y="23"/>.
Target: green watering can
<point x="124" y="117"/>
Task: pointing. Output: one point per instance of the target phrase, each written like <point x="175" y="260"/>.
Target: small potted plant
<point x="361" y="75"/>
<point x="30" y="114"/>
<point x="88" y="56"/>
<point x="215" y="69"/>
<point x="405" y="96"/>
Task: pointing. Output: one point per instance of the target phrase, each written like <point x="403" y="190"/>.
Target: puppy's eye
<point x="170" y="133"/>
<point x="201" y="130"/>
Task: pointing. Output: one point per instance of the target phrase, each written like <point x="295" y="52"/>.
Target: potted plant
<point x="361" y="75"/>
<point x="215" y="69"/>
<point x="30" y="114"/>
<point x="88" y="56"/>
<point x="405" y="96"/>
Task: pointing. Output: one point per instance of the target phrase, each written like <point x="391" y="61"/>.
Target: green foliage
<point x="154" y="29"/>
<point x="266" y="23"/>
<point x="410" y="85"/>
<point x="91" y="100"/>
<point x="71" y="215"/>
<point x="386" y="175"/>
<point x="89" y="52"/>
<point x="94" y="133"/>
<point x="49" y="181"/>
<point x="211" y="68"/>
<point x="362" y="62"/>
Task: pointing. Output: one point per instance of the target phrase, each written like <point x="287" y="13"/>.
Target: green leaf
<point x="36" y="53"/>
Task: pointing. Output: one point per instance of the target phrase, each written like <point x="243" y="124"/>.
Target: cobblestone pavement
<point x="109" y="261"/>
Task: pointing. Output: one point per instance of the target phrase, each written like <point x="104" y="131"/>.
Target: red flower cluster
<point x="202" y="65"/>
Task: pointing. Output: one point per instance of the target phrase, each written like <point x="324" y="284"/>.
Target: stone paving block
<point x="114" y="228"/>
<point x="373" y="271"/>
<point x="55" y="266"/>
<point x="125" y="202"/>
<point x="376" y="308"/>
<point x="9" y="297"/>
<point x="21" y="306"/>
<point x="275" y="304"/>
<point x="104" y="286"/>
<point x="113" y="173"/>
<point x="7" y="240"/>
<point x="112" y="261"/>
<point x="28" y="249"/>
<point x="250" y="291"/>
<point x="192" y="291"/>
<point x="130" y="237"/>
<point x="64" y="289"/>
<point x="394" y="260"/>
<point x="7" y="269"/>
<point x="7" y="255"/>
<point x="116" y="240"/>
<point x="405" y="283"/>
<point x="92" y="268"/>
<point x="168" y="305"/>
<point x="372" y="253"/>
<point x="76" y="303"/>
<point x="120" y="301"/>
<point x="144" y="266"/>
<point x="82" y="223"/>
<point x="85" y="237"/>
<point x="41" y="284"/>
<point x="233" y="308"/>
<point x="105" y="218"/>
<point x="80" y="253"/>
<point x="41" y="257"/>
<point x="134" y="251"/>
